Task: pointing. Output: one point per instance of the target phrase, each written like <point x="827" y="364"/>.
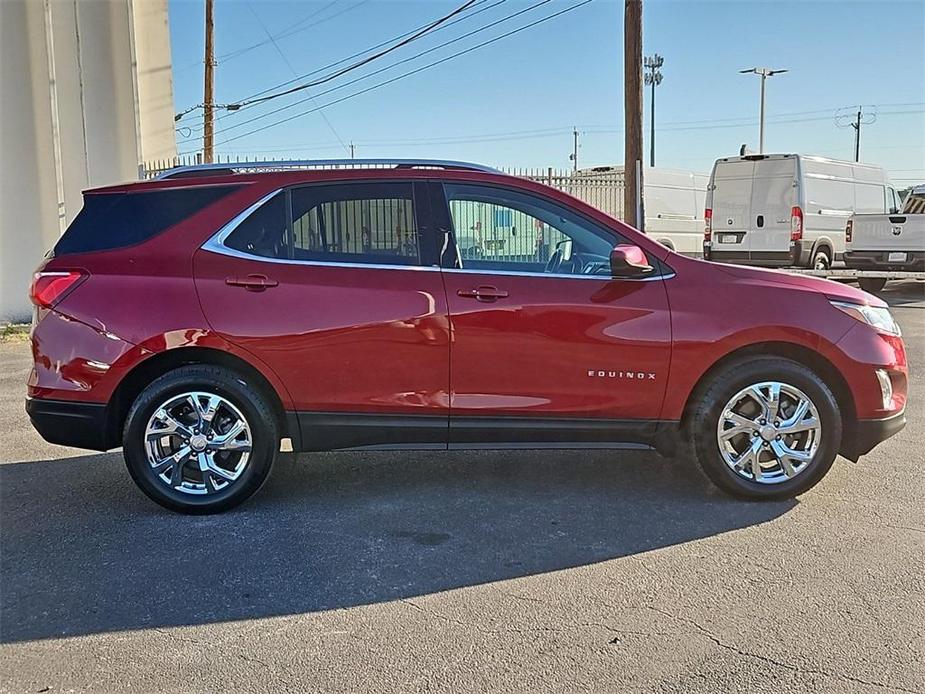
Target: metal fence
<point x="601" y="189"/>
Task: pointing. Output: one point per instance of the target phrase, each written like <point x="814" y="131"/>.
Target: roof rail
<point x="253" y="166"/>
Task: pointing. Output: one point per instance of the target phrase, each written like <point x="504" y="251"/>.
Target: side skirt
<point x="328" y="431"/>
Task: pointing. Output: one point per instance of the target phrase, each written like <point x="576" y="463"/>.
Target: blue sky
<point x="514" y="102"/>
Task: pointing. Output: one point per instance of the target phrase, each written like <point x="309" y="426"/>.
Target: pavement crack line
<point x="778" y="663"/>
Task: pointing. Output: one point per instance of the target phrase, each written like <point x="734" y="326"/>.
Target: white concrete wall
<point x="86" y="96"/>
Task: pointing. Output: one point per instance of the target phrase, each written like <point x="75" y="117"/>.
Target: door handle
<point x="483" y="293"/>
<point x="252" y="283"/>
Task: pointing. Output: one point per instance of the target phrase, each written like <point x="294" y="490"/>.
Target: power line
<point x="413" y="72"/>
<point x="559" y="131"/>
<point x="378" y="45"/>
<point x="239" y="106"/>
<point x="289" y="65"/>
<point x="360" y="63"/>
<point x="414" y="57"/>
<point x="294" y="29"/>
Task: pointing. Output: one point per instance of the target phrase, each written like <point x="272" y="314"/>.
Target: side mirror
<point x="627" y="262"/>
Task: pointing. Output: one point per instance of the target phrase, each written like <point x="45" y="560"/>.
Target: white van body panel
<point x="828" y="192"/>
<point x="774" y="194"/>
<point x="674" y="204"/>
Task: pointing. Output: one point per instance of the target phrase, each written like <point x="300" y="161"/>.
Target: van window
<point x="115" y="220"/>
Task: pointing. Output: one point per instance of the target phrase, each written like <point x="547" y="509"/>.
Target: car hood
<point x="831" y="289"/>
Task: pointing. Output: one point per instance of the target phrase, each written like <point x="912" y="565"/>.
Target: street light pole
<point x="764" y="73"/>
<point x="653" y="77"/>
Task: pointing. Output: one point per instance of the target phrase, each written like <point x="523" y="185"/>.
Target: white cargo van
<point x="787" y="209"/>
<point x="674" y="204"/>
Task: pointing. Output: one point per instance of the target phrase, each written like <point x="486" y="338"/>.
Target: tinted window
<point x="502" y="229"/>
<point x="114" y="220"/>
<point x="357" y="223"/>
<point x="263" y="233"/>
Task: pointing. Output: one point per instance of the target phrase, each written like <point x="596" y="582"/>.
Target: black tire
<point x="723" y="385"/>
<point x="260" y="416"/>
<point x="821" y="260"/>
<point x="871" y="284"/>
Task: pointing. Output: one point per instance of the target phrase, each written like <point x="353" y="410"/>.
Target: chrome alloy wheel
<point x="769" y="432"/>
<point x="198" y="443"/>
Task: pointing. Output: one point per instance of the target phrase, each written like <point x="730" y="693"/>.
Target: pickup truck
<point x="890" y="242"/>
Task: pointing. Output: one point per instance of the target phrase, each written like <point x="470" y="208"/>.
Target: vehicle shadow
<point x="84" y="552"/>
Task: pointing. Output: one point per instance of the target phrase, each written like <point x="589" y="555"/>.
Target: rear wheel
<point x="822" y="260"/>
<point x="200" y="439"/>
<point x="766" y="428"/>
<point x="871" y="284"/>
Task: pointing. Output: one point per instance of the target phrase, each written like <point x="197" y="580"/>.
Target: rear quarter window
<point x="115" y="220"/>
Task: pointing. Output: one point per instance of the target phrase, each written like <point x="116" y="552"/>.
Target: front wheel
<point x="766" y="428"/>
<point x="871" y="284"/>
<point x="200" y="439"/>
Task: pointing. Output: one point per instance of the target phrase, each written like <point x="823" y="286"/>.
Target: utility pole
<point x="574" y="155"/>
<point x="653" y="64"/>
<point x="633" y="206"/>
<point x="855" y="119"/>
<point x="353" y="150"/>
<point x="208" y="98"/>
<point x="764" y="73"/>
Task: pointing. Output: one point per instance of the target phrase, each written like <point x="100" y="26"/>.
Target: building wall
<point x="86" y="96"/>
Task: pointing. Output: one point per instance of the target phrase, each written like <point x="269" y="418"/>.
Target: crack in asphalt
<point x="778" y="663"/>
<point x="703" y="631"/>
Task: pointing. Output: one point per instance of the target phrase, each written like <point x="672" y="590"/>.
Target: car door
<point x="547" y="349"/>
<point x="336" y="288"/>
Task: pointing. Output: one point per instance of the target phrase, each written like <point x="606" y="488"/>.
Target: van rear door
<point x="773" y="196"/>
<point x="731" y="198"/>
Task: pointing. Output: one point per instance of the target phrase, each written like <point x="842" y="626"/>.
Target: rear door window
<point x="116" y="220"/>
<point x="369" y="223"/>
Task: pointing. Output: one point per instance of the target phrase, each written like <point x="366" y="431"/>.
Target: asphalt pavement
<point x="559" y="571"/>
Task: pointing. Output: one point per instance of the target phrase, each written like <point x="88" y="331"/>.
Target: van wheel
<point x="766" y="428"/>
<point x="822" y="261"/>
<point x="871" y="284"/>
<point x="200" y="439"/>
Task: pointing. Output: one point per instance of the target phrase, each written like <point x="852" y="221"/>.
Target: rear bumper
<point x="878" y="260"/>
<point x="66" y="423"/>
<point x="869" y="433"/>
<point x="796" y="256"/>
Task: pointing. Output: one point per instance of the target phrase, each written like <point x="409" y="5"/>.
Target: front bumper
<point x="67" y="423"/>
<point x="868" y="433"/>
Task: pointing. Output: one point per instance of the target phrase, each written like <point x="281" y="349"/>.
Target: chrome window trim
<point x="600" y="278"/>
<point x="216" y="244"/>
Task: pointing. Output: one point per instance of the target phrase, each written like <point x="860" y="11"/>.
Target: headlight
<point x="878" y="317"/>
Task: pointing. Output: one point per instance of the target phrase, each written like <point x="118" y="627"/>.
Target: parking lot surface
<point x="526" y="571"/>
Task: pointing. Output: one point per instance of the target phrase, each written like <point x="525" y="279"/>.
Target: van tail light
<point x="48" y="288"/>
<point x="707" y="225"/>
<point x="796" y="223"/>
<point x="849" y="228"/>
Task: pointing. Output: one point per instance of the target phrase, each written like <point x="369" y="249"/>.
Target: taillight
<point x="48" y="288"/>
<point x="849" y="227"/>
<point x="707" y="224"/>
<point x="796" y="223"/>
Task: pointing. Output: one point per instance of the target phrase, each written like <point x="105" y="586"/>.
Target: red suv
<point x="200" y="318"/>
